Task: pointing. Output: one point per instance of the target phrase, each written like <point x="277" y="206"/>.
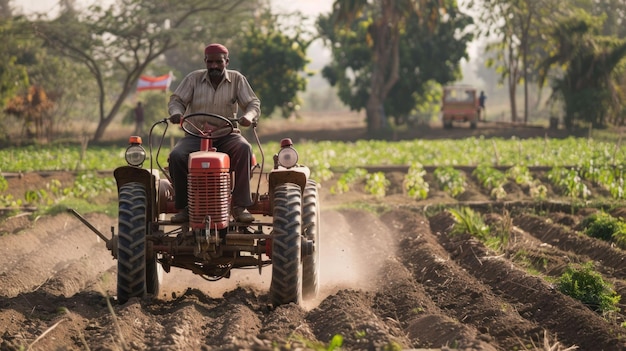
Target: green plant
<point x="451" y="180"/>
<point x="602" y="225"/>
<point x="521" y="175"/>
<point x="376" y="184"/>
<point x="347" y="179"/>
<point x="414" y="184"/>
<point x="4" y="184"/>
<point x="469" y="222"/>
<point x="569" y="181"/>
<point x="335" y="343"/>
<point x="587" y="286"/>
<point x="500" y="233"/>
<point x="492" y="179"/>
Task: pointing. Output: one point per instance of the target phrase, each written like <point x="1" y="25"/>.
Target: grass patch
<point x="83" y="206"/>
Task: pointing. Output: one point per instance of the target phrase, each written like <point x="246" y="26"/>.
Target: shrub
<point x="602" y="225"/>
<point x="587" y="286"/>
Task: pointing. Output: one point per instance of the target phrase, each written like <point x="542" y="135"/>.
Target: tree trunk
<point x="373" y="114"/>
<point x="512" y="100"/>
<point x="385" y="73"/>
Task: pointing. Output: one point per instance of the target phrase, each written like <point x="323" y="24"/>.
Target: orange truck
<point x="460" y="104"/>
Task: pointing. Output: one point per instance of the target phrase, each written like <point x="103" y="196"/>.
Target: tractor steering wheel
<point x="206" y="125"/>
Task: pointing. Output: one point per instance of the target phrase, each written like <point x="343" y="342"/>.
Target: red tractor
<point x="212" y="244"/>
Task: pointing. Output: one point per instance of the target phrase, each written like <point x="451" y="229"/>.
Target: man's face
<point x="216" y="64"/>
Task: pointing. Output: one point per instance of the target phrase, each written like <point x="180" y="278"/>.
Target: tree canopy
<point x="385" y="52"/>
<point x="274" y="60"/>
<point x="589" y="83"/>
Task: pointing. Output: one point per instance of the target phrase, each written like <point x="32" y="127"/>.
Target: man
<point x="139" y="119"/>
<point x="219" y="91"/>
<point x="481" y="105"/>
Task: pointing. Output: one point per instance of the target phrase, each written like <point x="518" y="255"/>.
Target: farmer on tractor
<point x="220" y="91"/>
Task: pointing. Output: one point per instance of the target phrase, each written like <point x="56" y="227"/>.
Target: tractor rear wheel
<point x="131" y="254"/>
<point x="311" y="231"/>
<point x="286" y="285"/>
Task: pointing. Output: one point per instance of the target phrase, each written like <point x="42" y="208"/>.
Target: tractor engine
<point x="209" y="189"/>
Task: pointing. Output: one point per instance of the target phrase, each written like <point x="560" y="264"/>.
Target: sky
<point x="307" y="7"/>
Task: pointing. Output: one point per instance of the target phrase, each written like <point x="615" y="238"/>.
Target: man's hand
<point x="175" y="118"/>
<point x="245" y="121"/>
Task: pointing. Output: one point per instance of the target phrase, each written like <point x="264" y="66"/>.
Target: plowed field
<point x="392" y="277"/>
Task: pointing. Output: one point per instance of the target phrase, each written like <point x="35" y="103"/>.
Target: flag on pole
<point x="154" y="83"/>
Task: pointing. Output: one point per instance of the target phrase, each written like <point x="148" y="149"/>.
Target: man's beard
<point x="215" y="73"/>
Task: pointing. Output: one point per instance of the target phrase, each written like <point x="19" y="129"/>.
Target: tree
<point x="118" y="43"/>
<point x="377" y="44"/>
<point x="13" y="73"/>
<point x="273" y="59"/>
<point x="519" y="46"/>
<point x="589" y="62"/>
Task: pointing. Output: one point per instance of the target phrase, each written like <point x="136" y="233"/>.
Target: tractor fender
<point x="149" y="179"/>
<point x="296" y="175"/>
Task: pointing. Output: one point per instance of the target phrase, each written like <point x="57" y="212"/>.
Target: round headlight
<point x="135" y="155"/>
<point x="287" y="157"/>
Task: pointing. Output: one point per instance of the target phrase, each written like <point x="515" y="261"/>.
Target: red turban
<point x="216" y="49"/>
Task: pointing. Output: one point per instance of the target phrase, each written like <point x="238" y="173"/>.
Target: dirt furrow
<point x="52" y="246"/>
<point x="459" y="294"/>
<point x="567" y="239"/>
<point x="535" y="300"/>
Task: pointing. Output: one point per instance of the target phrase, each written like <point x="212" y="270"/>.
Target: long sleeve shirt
<point x="195" y="94"/>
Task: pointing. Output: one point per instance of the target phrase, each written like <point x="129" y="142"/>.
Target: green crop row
<point x="325" y="155"/>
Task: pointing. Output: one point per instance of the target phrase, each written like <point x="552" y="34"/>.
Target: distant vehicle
<point x="460" y="104"/>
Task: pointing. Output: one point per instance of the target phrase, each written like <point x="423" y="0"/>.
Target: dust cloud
<point x="353" y="248"/>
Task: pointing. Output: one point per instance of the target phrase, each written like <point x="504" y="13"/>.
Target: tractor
<point x="212" y="244"/>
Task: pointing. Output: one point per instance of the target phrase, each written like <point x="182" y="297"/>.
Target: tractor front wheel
<point x="131" y="255"/>
<point x="286" y="285"/>
<point x="311" y="231"/>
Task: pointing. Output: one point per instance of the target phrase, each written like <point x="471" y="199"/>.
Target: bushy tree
<point x="274" y="60"/>
<point x="588" y="85"/>
<point x="13" y="61"/>
<point x="384" y="52"/>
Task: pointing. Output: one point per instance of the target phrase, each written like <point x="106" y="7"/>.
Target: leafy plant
<point x="335" y="343"/>
<point x="376" y="184"/>
<point x="4" y="184"/>
<point x="603" y="226"/>
<point x="521" y="175"/>
<point x="570" y="181"/>
<point x="587" y="286"/>
<point x="450" y="179"/>
<point x="469" y="222"/>
<point x="414" y="184"/>
<point x="347" y="179"/>
<point x="492" y="179"/>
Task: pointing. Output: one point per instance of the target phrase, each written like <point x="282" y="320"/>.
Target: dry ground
<point x="394" y="279"/>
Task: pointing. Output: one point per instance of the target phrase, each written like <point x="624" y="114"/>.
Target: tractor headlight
<point x="135" y="155"/>
<point x="287" y="157"/>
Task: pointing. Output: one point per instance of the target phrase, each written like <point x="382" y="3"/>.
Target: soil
<point x="393" y="276"/>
